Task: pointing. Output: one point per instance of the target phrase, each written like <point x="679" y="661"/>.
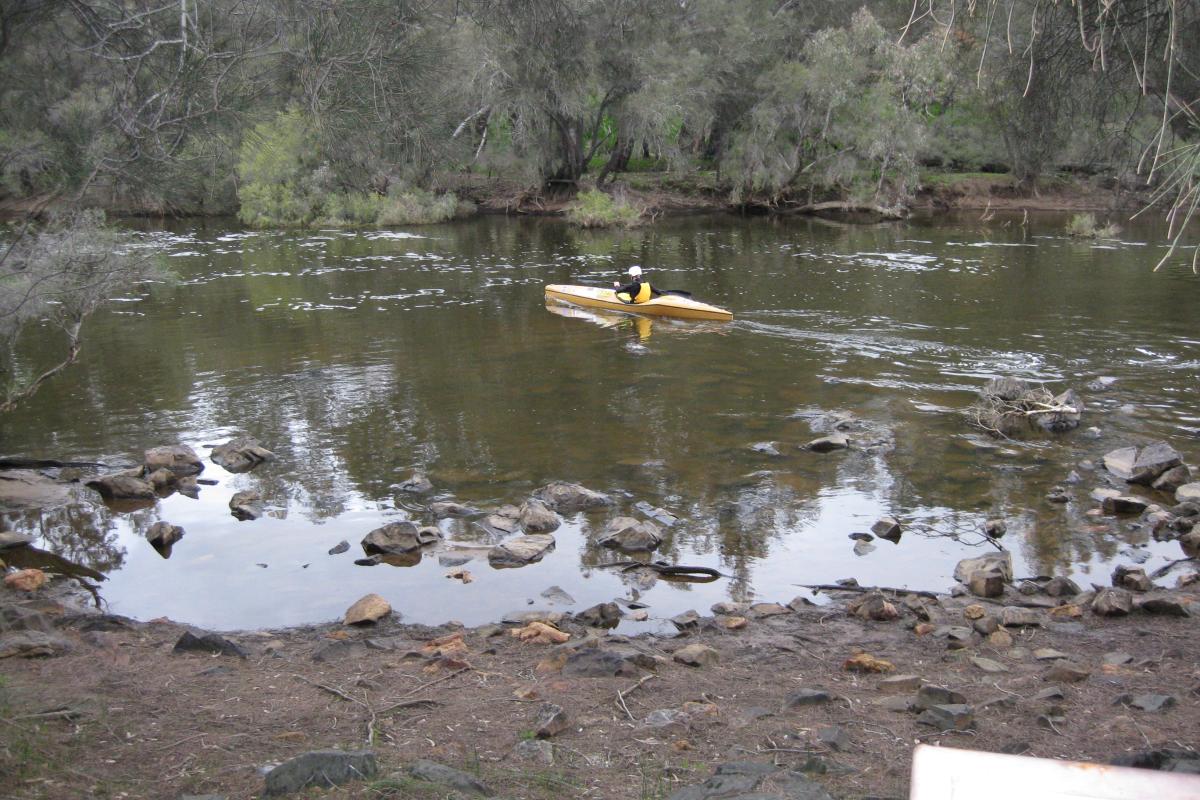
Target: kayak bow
<point x="668" y="305"/>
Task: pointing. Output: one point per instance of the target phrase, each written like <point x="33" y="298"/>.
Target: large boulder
<point x="521" y="551"/>
<point x="397" y="537"/>
<point x="1142" y="465"/>
<point x="536" y="517"/>
<point x="630" y="535"/>
<point x="367" y="610"/>
<point x="1172" y="479"/>
<point x="562" y="497"/>
<point x="241" y="454"/>
<point x="178" y="458"/>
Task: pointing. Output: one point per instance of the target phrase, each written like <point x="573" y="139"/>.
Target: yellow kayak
<point x="667" y="305"/>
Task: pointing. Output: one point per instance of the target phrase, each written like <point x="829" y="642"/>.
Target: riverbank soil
<point x="115" y="710"/>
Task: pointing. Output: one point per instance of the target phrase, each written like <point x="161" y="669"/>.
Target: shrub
<point x="1084" y="226"/>
<point x="595" y="209"/>
<point x="418" y="207"/>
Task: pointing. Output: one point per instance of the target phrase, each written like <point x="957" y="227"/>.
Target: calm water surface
<point x="361" y="357"/>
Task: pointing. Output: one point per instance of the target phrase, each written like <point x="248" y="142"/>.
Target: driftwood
<point x="678" y="571"/>
<point x="46" y="463"/>
<point x="1008" y="405"/>
<point x="1165" y="568"/>
<point x="837" y="587"/>
<point x="848" y="207"/>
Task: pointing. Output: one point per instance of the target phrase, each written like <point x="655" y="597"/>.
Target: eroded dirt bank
<point x="115" y="710"/>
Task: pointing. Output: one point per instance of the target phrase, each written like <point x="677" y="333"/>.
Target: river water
<point x="359" y="357"/>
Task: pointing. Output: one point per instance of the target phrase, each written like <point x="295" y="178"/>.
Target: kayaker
<point x="637" y="290"/>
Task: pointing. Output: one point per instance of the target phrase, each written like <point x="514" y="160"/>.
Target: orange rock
<point x="865" y="662"/>
<point x="290" y="736"/>
<point x="680" y="745"/>
<point x="460" y="574"/>
<point x="26" y="580"/>
<point x="451" y="644"/>
<point x="339" y="635"/>
<point x="1069" y="611"/>
<point x="974" y="611"/>
<point x="541" y="633"/>
<point x="526" y="693"/>
<point x="552" y="664"/>
<point x="923" y="629"/>
<point x="734" y="623"/>
<point x="367" y="610"/>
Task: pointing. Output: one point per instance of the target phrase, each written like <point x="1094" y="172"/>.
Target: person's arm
<point x="632" y="288"/>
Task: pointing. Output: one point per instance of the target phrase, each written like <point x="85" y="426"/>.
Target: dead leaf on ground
<point x="865" y="662"/>
<point x="541" y="633"/>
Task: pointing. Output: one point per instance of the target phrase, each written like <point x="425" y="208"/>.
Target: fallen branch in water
<point x="834" y="587"/>
<point x="1163" y="570"/>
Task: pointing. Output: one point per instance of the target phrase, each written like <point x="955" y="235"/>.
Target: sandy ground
<point x="121" y="715"/>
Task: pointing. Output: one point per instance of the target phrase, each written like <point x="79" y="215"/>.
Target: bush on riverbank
<point x="595" y="209"/>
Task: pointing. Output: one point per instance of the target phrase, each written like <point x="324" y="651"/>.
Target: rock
<point x="1172" y="479"/>
<point x="863" y="548"/>
<point x="765" y="449"/>
<point x="10" y="540"/>
<point x="1017" y="617"/>
<point x="697" y="655"/>
<point x="551" y="721"/>
<point x="899" y="683"/>
<point x="806" y="697"/>
<point x="687" y="620"/>
<point x="596" y="662"/>
<point x="767" y="610"/>
<point x="1066" y="672"/>
<point x="1049" y="654"/>
<point x="1166" y="760"/>
<point x="397" y="537"/>
<point x="571" y="497"/>
<point x="162" y="535"/>
<point x="163" y="481"/>
<point x="1123" y="504"/>
<point x="122" y="487"/>
<point x="1117" y="658"/>
<point x="1007" y="389"/>
<point x="1050" y="693"/>
<point x="1000" y="639"/>
<point x="929" y="696"/>
<point x="521" y="551"/>
<point x="986" y="583"/>
<point x="861" y="537"/>
<point x="246" y="505"/>
<point x="322" y="768"/>
<point x="995" y="528"/>
<point x="1147" y="702"/>
<point x="1061" y="421"/>
<point x="1167" y="605"/>
<point x="33" y="644"/>
<point x="19" y="618"/>
<point x="442" y="510"/>
<point x="339" y="548"/>
<point x="241" y="454"/>
<point x="1134" y="580"/>
<point x="1152" y="461"/>
<point x="949" y="717"/>
<point x="207" y="642"/>
<point x="556" y="594"/>
<point x="874" y="606"/>
<point x="630" y="535"/>
<point x="25" y="580"/>
<point x="179" y="459"/>
<point x="865" y="662"/>
<point x="367" y="610"/>
<point x="1188" y="493"/>
<point x="501" y="523"/>
<point x="417" y="483"/>
<point x="535" y="750"/>
<point x="1058" y="494"/>
<point x="659" y="515"/>
<point x="535" y="517"/>
<point x="827" y="444"/>
<point x="601" y="615"/>
<point x="988" y="665"/>
<point x="887" y="528"/>
<point x="1061" y="587"/>
<point x="1190" y="544"/>
<point x="1001" y="562"/>
<point x="986" y="626"/>
<point x="738" y="781"/>
<point x="833" y="737"/>
<point x="1112" y="603"/>
<point x="25" y="488"/>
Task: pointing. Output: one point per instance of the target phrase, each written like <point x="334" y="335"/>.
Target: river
<point x="359" y="357"/>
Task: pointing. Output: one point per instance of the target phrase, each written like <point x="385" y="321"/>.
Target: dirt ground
<point x="122" y="716"/>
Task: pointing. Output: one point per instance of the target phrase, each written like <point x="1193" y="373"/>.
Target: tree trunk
<point x="618" y="160"/>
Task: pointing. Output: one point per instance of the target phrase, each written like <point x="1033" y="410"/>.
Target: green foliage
<point x="1084" y="226"/>
<point x="595" y="209"/>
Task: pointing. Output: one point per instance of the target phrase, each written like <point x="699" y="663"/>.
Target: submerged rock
<point x="630" y="535"/>
<point x="521" y="551"/>
<point x="398" y="537"/>
<point x="179" y="459"/>
<point x="562" y="496"/>
<point x="122" y="486"/>
<point x="535" y="517"/>
<point x="416" y="484"/>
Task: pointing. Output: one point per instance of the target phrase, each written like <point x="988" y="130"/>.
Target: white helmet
<point x="635" y="271"/>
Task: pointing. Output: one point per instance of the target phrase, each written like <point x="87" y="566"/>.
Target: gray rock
<point x="1152" y="461"/>
<point x="833" y="737"/>
<point x="596" y="662"/>
<point x="1147" y="702"/>
<point x="995" y="528"/>
<point x="1061" y="421"/>
<point x="397" y="537"/>
<point x="1061" y="587"/>
<point x="536" y="750"/>
<point x="765" y="449"/>
<point x="322" y="768"/>
<point x="417" y="483"/>
<point x="887" y="528"/>
<point x="986" y="626"/>
<point x="571" y="497"/>
<point x="162" y="535"/>
<point x="122" y="487"/>
<point x="1050" y="693"/>
<point x="1112" y="603"/>
<point x="1172" y="479"/>
<point x="929" y="696"/>
<point x="601" y="615"/>
<point x="521" y="551"/>
<point x="456" y="779"/>
<point x="551" y="721"/>
<point x="1188" y="493"/>
<point x="740" y="780"/>
<point x="659" y="515"/>
<point x="827" y="444"/>
<point x="1166" y="605"/>
<point x="18" y="618"/>
<point x="246" y="505"/>
<point x="1017" y="617"/>
<point x="207" y="642"/>
<point x="948" y="717"/>
<point x="687" y="620"/>
<point x="630" y="535"/>
<point x="863" y="548"/>
<point x="445" y="509"/>
<point x="988" y="665"/>
<point x="1124" y="504"/>
<point x="33" y="644"/>
<point x="806" y="697"/>
<point x="535" y="517"/>
<point x="900" y="683"/>
<point x="1067" y="672"/>
<point x="241" y="454"/>
<point x="1001" y="562"/>
<point x="697" y="655"/>
<point x="1117" y="659"/>
<point x="339" y="548"/>
<point x="556" y="594"/>
<point x="986" y="583"/>
<point x="179" y="459"/>
<point x="1135" y="580"/>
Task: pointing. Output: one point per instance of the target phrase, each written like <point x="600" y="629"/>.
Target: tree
<point x="55" y="278"/>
